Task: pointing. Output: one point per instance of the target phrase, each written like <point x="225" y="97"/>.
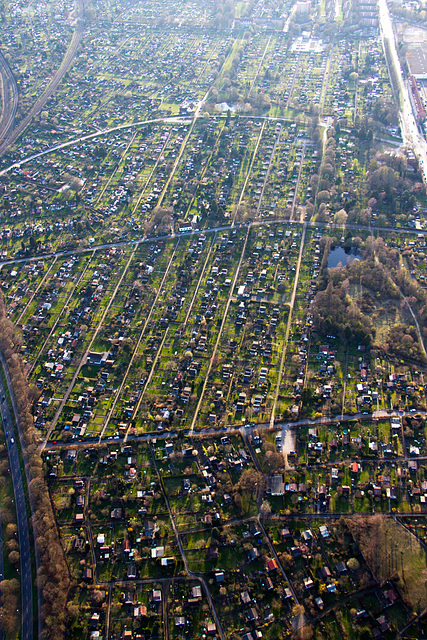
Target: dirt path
<point x="89" y="347"/>
<point x="288" y="327"/>
<point x="135" y="351"/>
<point x="36" y="290"/>
<point x="248" y="173"/>
<point x="201" y="578"/>
<point x="220" y="332"/>
<point x="63" y="310"/>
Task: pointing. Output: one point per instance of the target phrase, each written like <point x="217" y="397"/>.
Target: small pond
<point x="339" y="257"/>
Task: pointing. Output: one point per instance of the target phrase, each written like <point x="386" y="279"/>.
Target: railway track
<point x="53" y="84"/>
<point x="9" y="98"/>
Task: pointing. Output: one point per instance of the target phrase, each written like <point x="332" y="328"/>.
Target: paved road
<point x="9" y="95"/>
<point x="22" y="518"/>
<point x="90" y="136"/>
<point x="1" y="567"/>
<point x="409" y="128"/>
<point x="195" y="232"/>
<point x="53" y="84"/>
<point x="84" y="443"/>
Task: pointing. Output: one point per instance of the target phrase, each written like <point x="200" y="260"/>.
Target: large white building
<point x="416" y="57"/>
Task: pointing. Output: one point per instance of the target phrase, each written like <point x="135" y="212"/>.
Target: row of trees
<point x="52" y="576"/>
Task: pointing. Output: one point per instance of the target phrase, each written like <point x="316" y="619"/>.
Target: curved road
<point x="21" y="516"/>
<point x="9" y="98"/>
<point x="54" y="83"/>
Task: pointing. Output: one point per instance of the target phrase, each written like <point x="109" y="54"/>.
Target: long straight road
<point x="21" y="516"/>
<point x="146" y="324"/>
<point x="226" y="227"/>
<point x="1" y="567"/>
<point x="288" y="326"/>
<point x="409" y="127"/>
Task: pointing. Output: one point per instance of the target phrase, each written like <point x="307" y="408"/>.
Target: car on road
<point x="12" y="441"/>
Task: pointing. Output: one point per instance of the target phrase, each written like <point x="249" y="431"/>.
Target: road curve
<point x="54" y="83"/>
<point x="9" y="98"/>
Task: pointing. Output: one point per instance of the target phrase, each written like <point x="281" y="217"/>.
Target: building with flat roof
<point x="416" y="57"/>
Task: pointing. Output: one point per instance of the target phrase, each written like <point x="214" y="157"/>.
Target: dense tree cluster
<point x="224" y="13"/>
<point x="402" y="342"/>
<point x="393" y="183"/>
<point x="349" y="295"/>
<point x="334" y="311"/>
<point x="53" y="576"/>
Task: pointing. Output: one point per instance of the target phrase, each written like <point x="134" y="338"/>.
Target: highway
<point x="1" y="568"/>
<point x="22" y="517"/>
